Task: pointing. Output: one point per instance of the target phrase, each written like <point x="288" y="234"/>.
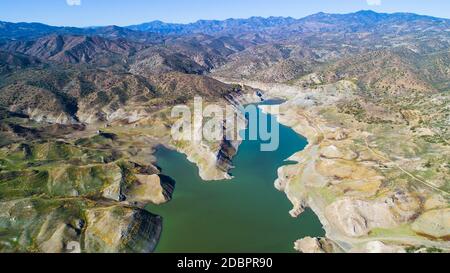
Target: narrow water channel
<point x="246" y="214"/>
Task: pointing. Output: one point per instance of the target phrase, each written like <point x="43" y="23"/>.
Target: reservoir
<point x="245" y="214"/>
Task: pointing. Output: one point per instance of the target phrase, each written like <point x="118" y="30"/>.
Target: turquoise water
<point x="246" y="214"/>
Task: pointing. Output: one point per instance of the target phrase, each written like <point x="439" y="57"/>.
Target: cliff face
<point x="229" y="147"/>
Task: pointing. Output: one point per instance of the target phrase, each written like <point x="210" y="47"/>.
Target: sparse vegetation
<point x="81" y="111"/>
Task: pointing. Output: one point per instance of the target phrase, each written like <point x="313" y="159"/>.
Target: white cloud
<point x="73" y="2"/>
<point x="373" y="2"/>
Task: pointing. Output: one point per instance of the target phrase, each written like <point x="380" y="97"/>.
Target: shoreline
<point x="250" y="195"/>
<point x="338" y="180"/>
<point x="215" y="163"/>
<point x="307" y="183"/>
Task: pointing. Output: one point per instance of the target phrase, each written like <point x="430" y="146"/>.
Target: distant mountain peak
<point x="358" y="20"/>
<point x="367" y="12"/>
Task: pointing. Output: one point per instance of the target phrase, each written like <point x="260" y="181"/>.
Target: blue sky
<point x="126" y="12"/>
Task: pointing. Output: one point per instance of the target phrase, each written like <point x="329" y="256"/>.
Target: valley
<point x="85" y="112"/>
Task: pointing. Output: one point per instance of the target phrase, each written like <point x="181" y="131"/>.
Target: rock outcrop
<point x="120" y="229"/>
<point x="76" y="225"/>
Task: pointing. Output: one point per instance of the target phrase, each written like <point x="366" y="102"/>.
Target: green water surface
<point x="245" y="214"/>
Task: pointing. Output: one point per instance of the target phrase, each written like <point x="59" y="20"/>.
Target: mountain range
<point x="82" y="110"/>
<point x="321" y="21"/>
<point x="384" y="53"/>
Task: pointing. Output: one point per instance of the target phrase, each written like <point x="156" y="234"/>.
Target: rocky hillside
<point x="90" y="95"/>
<point x="82" y="110"/>
<point x="388" y="71"/>
<point x="75" y="49"/>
